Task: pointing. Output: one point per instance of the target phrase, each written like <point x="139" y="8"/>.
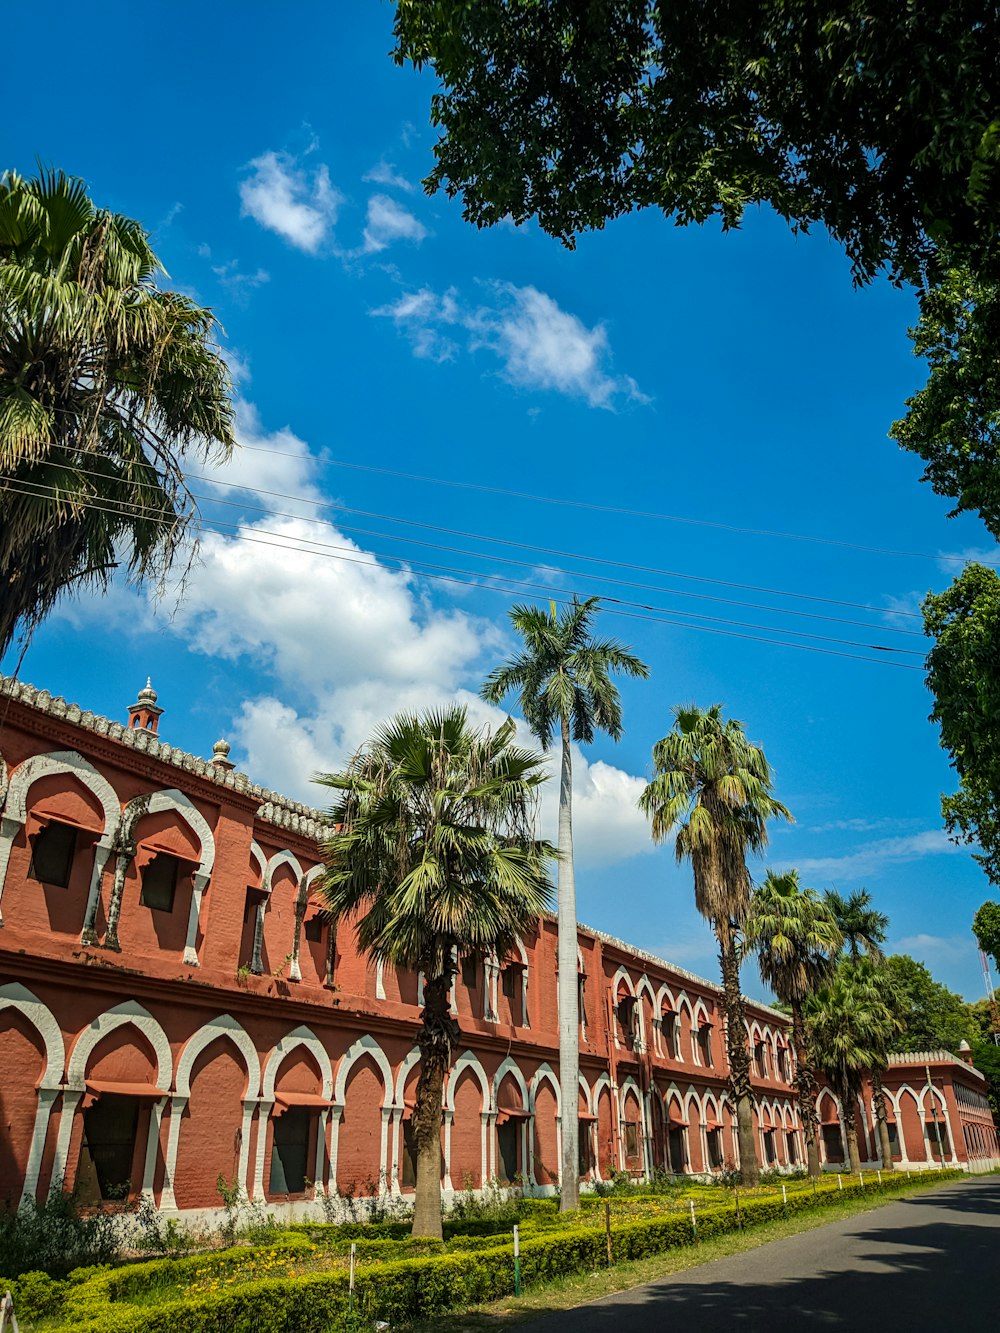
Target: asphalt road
<point x="928" y="1262"/>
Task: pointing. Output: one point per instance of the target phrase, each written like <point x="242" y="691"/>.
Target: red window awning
<point x="585" y="1116"/>
<point x="505" y="1113"/>
<point x="676" y="1116"/>
<point x="313" y="1099"/>
<point x="107" y="1088"/>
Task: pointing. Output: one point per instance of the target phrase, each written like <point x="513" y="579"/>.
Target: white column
<point x="492" y="1141"/>
<point x="484" y="1166"/>
<point x="101" y="853"/>
<point x="71" y="1100"/>
<point x="257" y="956"/>
<point x="384" y="1142"/>
<point x="380" y="982"/>
<point x="263" y="1118"/>
<point x="46" y="1098"/>
<point x="9" y="829"/>
<point x="294" y="969"/>
<point x="320" y="1154"/>
<point x="244" y="1159"/>
<point x="335" y="1113"/>
<point x="191" y="947"/>
<point x="449" y="1117"/>
<point x="397" y="1120"/>
<point x="152" y="1143"/>
<point x="177" y="1105"/>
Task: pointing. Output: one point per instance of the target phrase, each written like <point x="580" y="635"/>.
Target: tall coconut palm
<point x="107" y="384"/>
<point x="797" y="941"/>
<point x="862" y="926"/>
<point x="562" y="679"/>
<point x="713" y="786"/>
<point x="434" y="856"/>
<point x="841" y="1029"/>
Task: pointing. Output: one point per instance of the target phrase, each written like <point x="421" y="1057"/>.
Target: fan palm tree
<point x="434" y="856"/>
<point x="106" y="384"/>
<point x="863" y="928"/>
<point x="884" y="1003"/>
<point x="842" y="1029"/>
<point x="562" y="679"/>
<point x="713" y="786"/>
<point x="797" y="941"/>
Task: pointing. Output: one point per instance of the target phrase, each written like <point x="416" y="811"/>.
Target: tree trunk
<point x="805" y="1086"/>
<point x="878" y="1096"/>
<point x="851" y="1133"/>
<point x="435" y="1038"/>
<point x="569" y="993"/>
<point x="739" y="1056"/>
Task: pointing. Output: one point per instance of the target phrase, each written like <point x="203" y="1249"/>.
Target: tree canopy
<point x="986" y="928"/>
<point x="963" y="671"/>
<point x="880" y="121"/>
<point x="936" y="1018"/>
<point x="106" y="382"/>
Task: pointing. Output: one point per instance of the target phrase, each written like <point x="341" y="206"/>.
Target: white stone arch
<point x="587" y="1097"/>
<point x="52" y="765"/>
<point x="509" y="1066"/>
<point x="222" y="1028"/>
<point x="627" y="1088"/>
<point x="17" y="997"/>
<point x="406" y="1065"/>
<point x="279" y="859"/>
<point x="257" y="856"/>
<point x="366" y="1045"/>
<point x="643" y="986"/>
<point x="468" y="1060"/>
<point x="622" y="975"/>
<point x="692" y="1098"/>
<point x="173" y="800"/>
<point x="227" y="1027"/>
<point x="130" y="1013"/>
<point x="544" y="1074"/>
<point x="664" y="993"/>
<point x="301" y="1036"/>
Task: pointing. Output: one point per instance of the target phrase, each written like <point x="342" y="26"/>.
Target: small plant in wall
<point x="242" y="974"/>
<point x="279" y="970"/>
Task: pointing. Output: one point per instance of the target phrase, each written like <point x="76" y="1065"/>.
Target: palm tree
<point x="106" y="383"/>
<point x="884" y="1004"/>
<point x="863" y="928"/>
<point x="562" y="678"/>
<point x="434" y="856"/>
<point x="797" y="941"/>
<point x="714" y="787"/>
<point x="842" y="1032"/>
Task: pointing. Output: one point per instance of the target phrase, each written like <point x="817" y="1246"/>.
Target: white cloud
<point x="539" y="345"/>
<point x="300" y="206"/>
<point x="388" y="222"/>
<point x="872" y="857"/>
<point x="385" y="173"/>
<point x="952" y="561"/>
<point x="940" y="949"/>
<point x="276" y="461"/>
<point x="237" y="283"/>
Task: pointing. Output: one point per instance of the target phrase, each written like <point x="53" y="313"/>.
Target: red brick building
<point x="174" y="1007"/>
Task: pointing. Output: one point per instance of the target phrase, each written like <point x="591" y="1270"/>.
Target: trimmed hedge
<point x="418" y="1287"/>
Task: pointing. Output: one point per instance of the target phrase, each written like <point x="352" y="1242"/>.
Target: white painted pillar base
<point x="263" y="1119"/>
<point x="177" y="1105"/>
<point x="43" y="1111"/>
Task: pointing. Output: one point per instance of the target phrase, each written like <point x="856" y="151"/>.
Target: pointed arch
<point x="509" y="1066"/>
<point x="52" y="765"/>
<point x="301" y="1036"/>
<point x="468" y="1060"/>
<point x="412" y="1059"/>
<point x="227" y="1027"/>
<point x="130" y="1013"/>
<point x="279" y="859"/>
<point x="15" y="996"/>
<point x="173" y="800"/>
<point x="543" y="1074"/>
<point x="366" y="1045"/>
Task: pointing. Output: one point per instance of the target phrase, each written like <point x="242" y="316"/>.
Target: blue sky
<point x="736" y="381"/>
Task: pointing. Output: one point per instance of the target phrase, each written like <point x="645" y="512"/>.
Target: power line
<point x="330" y="551"/>
<point x="601" y="509"/>
<point x="541" y="550"/>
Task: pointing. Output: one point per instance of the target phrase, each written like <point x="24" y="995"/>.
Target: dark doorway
<point x="290" y="1151"/>
<point x="109" y="1129"/>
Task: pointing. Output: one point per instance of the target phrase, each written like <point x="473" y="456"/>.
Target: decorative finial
<point x="148" y="694"/>
<point x="220" y="755"/>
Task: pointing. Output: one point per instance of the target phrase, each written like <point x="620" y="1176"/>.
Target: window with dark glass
<point x="893" y="1129"/>
<point x="714" y="1148"/>
<point x="159" y="882"/>
<point x="509" y="980"/>
<point x="631" y="1141"/>
<point x="289" y="1151"/>
<point x="671" y="1033"/>
<point x="792" y="1143"/>
<point x="626" y="1016"/>
<point x="783" y="1068"/>
<point x="470" y="971"/>
<point x="314" y="929"/>
<point x="109" y="1128"/>
<point x="409" y="1176"/>
<point x="585" y="1155"/>
<point x="833" y="1142"/>
<point x="770" y="1147"/>
<point x="760" y="1058"/>
<point x="675" y="1149"/>
<point x="705" y="1044"/>
<point x="508" y="1165"/>
<point x="52" y="852"/>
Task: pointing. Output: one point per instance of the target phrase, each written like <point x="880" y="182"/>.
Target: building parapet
<point x="933" y="1058"/>
<point x="273" y="808"/>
